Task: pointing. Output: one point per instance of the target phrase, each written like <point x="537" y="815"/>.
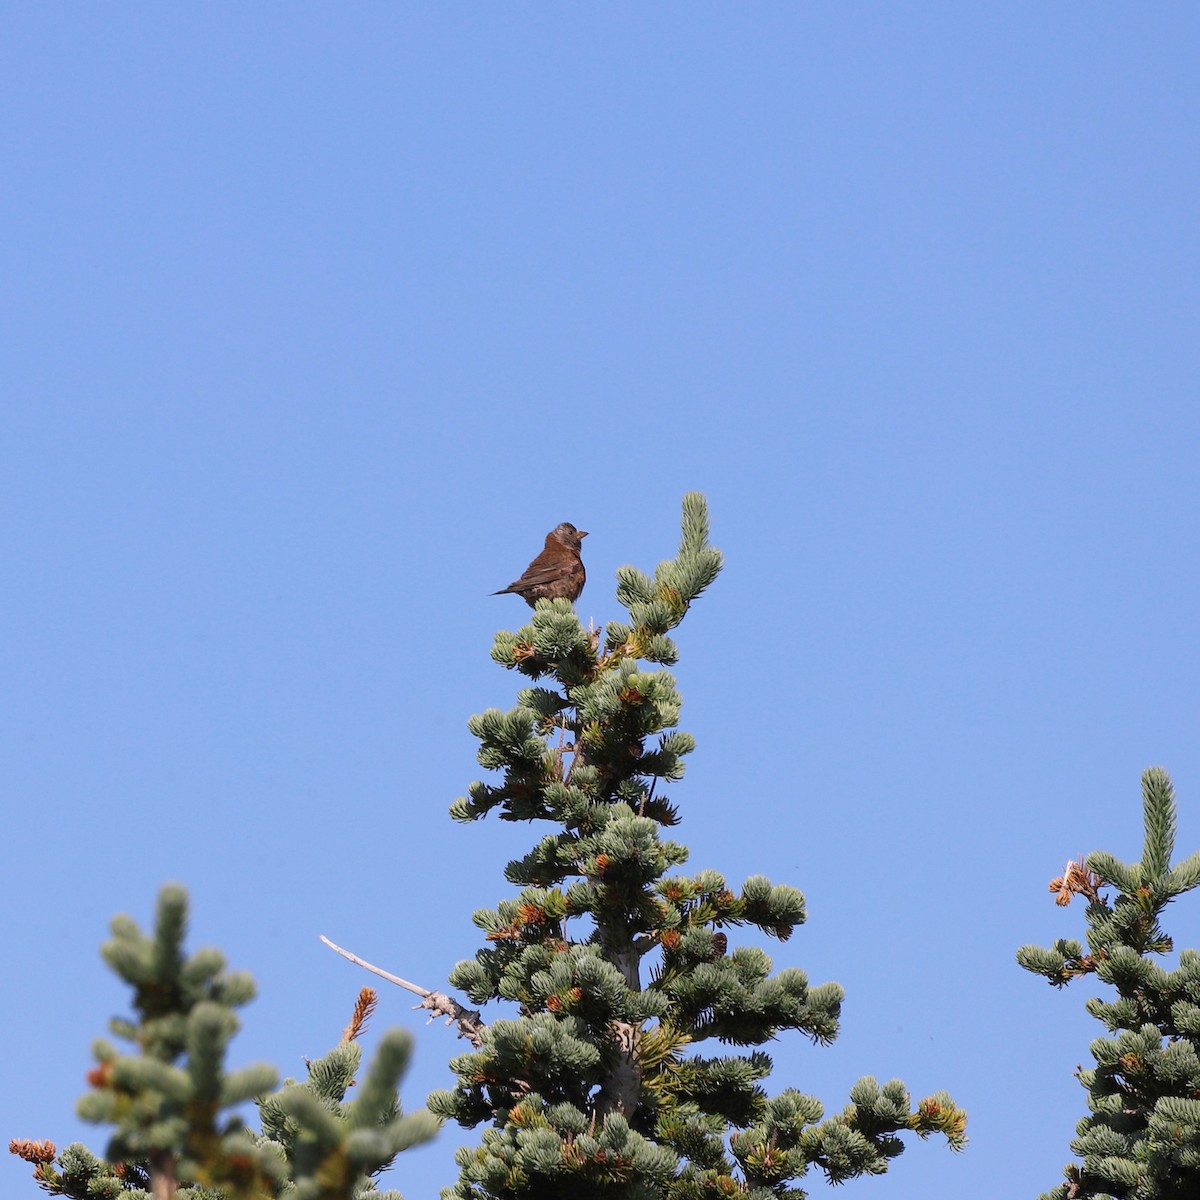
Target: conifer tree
<point x="1141" y="1140"/>
<point x="613" y="1078"/>
<point x="169" y="1101"/>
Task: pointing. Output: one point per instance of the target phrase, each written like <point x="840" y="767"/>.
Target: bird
<point x="556" y="573"/>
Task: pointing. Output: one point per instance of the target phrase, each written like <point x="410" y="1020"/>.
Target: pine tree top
<point x="621" y="968"/>
<point x="1141" y="1140"/>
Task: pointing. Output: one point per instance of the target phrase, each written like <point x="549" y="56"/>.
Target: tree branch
<point x="470" y="1024"/>
<point x="162" y="1175"/>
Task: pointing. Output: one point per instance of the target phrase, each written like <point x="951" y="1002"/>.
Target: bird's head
<point x="567" y="535"/>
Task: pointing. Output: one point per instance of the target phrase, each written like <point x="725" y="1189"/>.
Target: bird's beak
<point x="581" y="533"/>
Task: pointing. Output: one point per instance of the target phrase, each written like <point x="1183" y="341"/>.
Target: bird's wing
<point x="542" y="572"/>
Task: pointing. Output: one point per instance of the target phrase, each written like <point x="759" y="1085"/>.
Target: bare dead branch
<point x="470" y="1024"/>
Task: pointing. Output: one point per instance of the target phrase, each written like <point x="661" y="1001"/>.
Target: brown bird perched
<point x="556" y="573"/>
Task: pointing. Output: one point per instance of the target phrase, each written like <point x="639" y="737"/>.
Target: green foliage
<point x="620" y="965"/>
<point x="168" y="1101"/>
<point x="1141" y="1140"/>
<point x="335" y="1147"/>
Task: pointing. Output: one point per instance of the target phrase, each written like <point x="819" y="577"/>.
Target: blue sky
<point x="314" y="318"/>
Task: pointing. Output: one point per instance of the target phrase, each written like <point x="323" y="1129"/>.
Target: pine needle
<point x="364" y="1006"/>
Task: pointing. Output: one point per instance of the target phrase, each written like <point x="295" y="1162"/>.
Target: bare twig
<point x="470" y="1024"/>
